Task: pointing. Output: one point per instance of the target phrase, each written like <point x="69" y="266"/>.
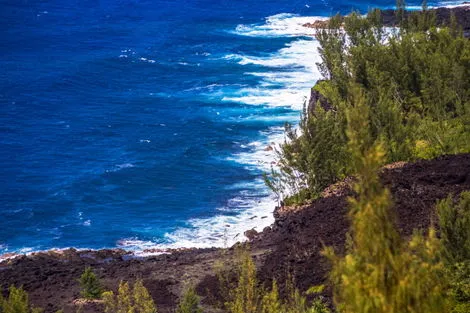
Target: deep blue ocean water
<point x="139" y="123"/>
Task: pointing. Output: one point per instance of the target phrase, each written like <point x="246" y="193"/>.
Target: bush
<point x="90" y="285"/>
<point x="17" y="302"/>
<point x="271" y="303"/>
<point x="190" y="302"/>
<point x="137" y="300"/>
<point x="247" y="295"/>
<point x="381" y="273"/>
<point x="454" y="222"/>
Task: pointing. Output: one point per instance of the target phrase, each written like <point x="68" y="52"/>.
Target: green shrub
<point x="190" y="302"/>
<point x="454" y="223"/>
<point x="17" y="302"/>
<point x="381" y="273"/>
<point x="90" y="285"/>
<point x="271" y="303"/>
<point x="137" y="300"/>
<point x="310" y="162"/>
<point x="247" y="295"/>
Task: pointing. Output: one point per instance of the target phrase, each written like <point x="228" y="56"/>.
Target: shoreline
<point x="296" y="239"/>
<point x="443" y="13"/>
<point x="263" y="149"/>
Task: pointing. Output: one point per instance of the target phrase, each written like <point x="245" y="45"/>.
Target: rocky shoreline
<point x="443" y="14"/>
<point x="291" y="245"/>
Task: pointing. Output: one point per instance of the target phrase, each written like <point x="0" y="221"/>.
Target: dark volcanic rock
<point x="317" y="98"/>
<point x="292" y="245"/>
<point x="251" y="234"/>
<point x="317" y="24"/>
<point x="462" y="15"/>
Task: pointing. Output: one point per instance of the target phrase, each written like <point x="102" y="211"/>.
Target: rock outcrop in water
<point x="293" y="244"/>
<point x="443" y="14"/>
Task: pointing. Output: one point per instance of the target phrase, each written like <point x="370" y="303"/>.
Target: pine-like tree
<point x="137" y="300"/>
<point x="381" y="273"/>
<point x="271" y="303"/>
<point x="17" y="302"/>
<point x="143" y="302"/>
<point x="190" y="302"/>
<point x="90" y="285"/>
<point x="454" y="224"/>
<point x="244" y="297"/>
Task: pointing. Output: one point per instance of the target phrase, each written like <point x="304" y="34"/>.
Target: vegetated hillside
<point x="300" y="233"/>
<point x="417" y="108"/>
<point x="292" y="245"/>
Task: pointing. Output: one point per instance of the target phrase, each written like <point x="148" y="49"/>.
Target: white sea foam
<point x="285" y="79"/>
<point x="225" y="230"/>
<point x="262" y="157"/>
<point x="447" y="4"/>
<point x="222" y="230"/>
<point x="292" y="70"/>
<point x="453" y="4"/>
<point x="135" y="244"/>
<point x="279" y="25"/>
<point x="26" y="250"/>
<point x="125" y="165"/>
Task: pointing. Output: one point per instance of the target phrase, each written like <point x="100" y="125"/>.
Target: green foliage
<point x="381" y="273"/>
<point x="143" y="302"/>
<point x="415" y="82"/>
<point x="271" y="303"/>
<point x="17" y="302"/>
<point x="459" y="274"/>
<point x="247" y="295"/>
<point x="190" y="302"/>
<point x="454" y="223"/>
<point x="137" y="300"/>
<point x="310" y="162"/>
<point x="318" y="306"/>
<point x="90" y="285"/>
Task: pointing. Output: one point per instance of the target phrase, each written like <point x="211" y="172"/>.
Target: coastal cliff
<point x="292" y="246"/>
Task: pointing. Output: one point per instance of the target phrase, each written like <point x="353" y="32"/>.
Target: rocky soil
<point x="292" y="245"/>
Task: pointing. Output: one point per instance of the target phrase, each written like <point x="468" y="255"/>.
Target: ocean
<point x="144" y="124"/>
